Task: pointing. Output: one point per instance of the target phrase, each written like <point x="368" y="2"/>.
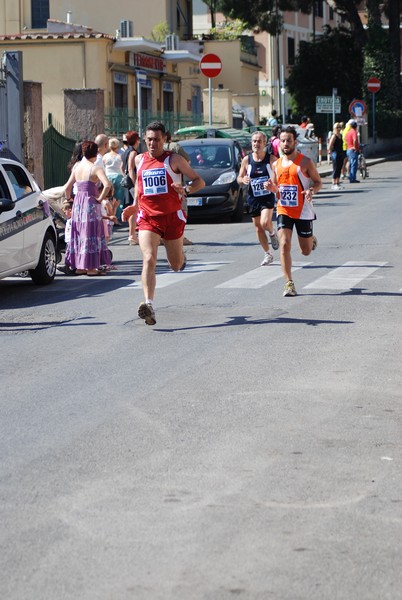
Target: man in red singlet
<point x="158" y="200"/>
<point x="295" y="179"/>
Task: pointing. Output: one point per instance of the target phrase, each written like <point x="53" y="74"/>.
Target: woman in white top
<point x="114" y="172"/>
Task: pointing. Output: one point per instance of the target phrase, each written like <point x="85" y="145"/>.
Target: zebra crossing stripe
<point x="258" y="278"/>
<point x="171" y="277"/>
<point x="346" y="276"/>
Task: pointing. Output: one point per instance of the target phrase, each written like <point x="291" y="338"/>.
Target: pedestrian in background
<point x="102" y="141"/>
<point x="273" y="119"/>
<point x="129" y="170"/>
<point x="352" y="152"/>
<point x="335" y="147"/>
<point x="275" y="141"/>
<point x="113" y="165"/>
<point x="87" y="250"/>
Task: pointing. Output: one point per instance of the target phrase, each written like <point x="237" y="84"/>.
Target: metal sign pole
<point x="374" y="131"/>
<point x="139" y="108"/>
<point x="210" y="101"/>
<point x="334" y="93"/>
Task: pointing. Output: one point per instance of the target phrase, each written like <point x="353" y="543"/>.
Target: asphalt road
<point x="247" y="446"/>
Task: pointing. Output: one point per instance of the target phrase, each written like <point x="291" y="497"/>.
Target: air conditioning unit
<point x="126" y="29"/>
<point x="172" y="42"/>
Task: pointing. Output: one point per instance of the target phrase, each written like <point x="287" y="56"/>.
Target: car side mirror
<point x="6" y="204"/>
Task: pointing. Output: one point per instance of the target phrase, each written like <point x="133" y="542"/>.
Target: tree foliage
<point x="265" y="15"/>
<point x="160" y="31"/>
<point x="214" y="6"/>
<point x="337" y="64"/>
<point x="336" y="59"/>
<point x="378" y="62"/>
<point x="230" y="30"/>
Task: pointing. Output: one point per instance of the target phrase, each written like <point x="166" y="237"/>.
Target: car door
<point x="28" y="211"/>
<point x="11" y="231"/>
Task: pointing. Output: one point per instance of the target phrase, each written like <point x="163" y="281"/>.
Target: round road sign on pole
<point x="373" y="85"/>
<point x="357" y="108"/>
<point x="210" y="65"/>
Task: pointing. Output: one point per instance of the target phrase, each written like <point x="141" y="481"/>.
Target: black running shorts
<point x="304" y="227"/>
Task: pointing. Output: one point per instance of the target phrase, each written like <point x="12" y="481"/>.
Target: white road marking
<point x="170" y="277"/>
<point x="346" y="276"/>
<point x="258" y="278"/>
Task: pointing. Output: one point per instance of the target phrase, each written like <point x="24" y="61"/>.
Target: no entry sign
<point x="373" y="85"/>
<point x="210" y="65"/>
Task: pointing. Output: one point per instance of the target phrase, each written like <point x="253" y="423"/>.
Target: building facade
<point x="138" y="18"/>
<point x="276" y="54"/>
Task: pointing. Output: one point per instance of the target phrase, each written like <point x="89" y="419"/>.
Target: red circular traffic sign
<point x="210" y="65"/>
<point x="373" y="85"/>
<point x="357" y="108"/>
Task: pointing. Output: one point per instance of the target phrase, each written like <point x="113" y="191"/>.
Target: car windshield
<point x="207" y="156"/>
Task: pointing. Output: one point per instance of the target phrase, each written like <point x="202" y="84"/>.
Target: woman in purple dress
<point x="87" y="251"/>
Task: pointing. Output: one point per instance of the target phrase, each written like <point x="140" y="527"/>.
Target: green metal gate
<point x="57" y="151"/>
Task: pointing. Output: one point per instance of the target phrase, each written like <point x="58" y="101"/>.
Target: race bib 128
<point x="154" y="181"/>
<point x="257" y="185"/>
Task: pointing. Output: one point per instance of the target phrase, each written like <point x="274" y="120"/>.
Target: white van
<point x="27" y="232"/>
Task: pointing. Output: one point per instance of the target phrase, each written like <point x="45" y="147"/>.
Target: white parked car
<point x="27" y="233"/>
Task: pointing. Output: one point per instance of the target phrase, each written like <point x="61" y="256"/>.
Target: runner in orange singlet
<point x="295" y="179"/>
<point x="157" y="199"/>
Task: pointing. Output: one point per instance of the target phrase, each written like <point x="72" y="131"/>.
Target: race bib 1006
<point x="288" y="195"/>
<point x="154" y="181"/>
<point x="257" y="186"/>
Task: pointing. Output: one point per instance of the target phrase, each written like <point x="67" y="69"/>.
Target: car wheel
<point x="46" y="269"/>
<point x="237" y="216"/>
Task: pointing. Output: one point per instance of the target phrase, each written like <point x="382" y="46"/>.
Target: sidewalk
<point x="325" y="169"/>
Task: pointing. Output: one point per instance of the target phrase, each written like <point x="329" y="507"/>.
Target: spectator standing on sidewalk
<point x="335" y="147"/>
<point x="273" y="119"/>
<point x="114" y="172"/>
<point x="128" y="159"/>
<point x="352" y="152"/>
<point x="102" y="141"/>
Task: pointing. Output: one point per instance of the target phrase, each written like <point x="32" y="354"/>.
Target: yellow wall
<point x="235" y="75"/>
<point x="88" y="63"/>
<point x="58" y="65"/>
<point x="9" y="16"/>
<point x="101" y="16"/>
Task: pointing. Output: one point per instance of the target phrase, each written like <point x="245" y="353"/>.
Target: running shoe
<point x="274" y="241"/>
<point x="268" y="258"/>
<point x="146" y="312"/>
<point x="289" y="289"/>
<point x="315" y="243"/>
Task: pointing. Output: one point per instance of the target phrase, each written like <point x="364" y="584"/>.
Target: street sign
<point x="357" y="108"/>
<point x="210" y="65"/>
<point x="373" y="85"/>
<point x="325" y="104"/>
